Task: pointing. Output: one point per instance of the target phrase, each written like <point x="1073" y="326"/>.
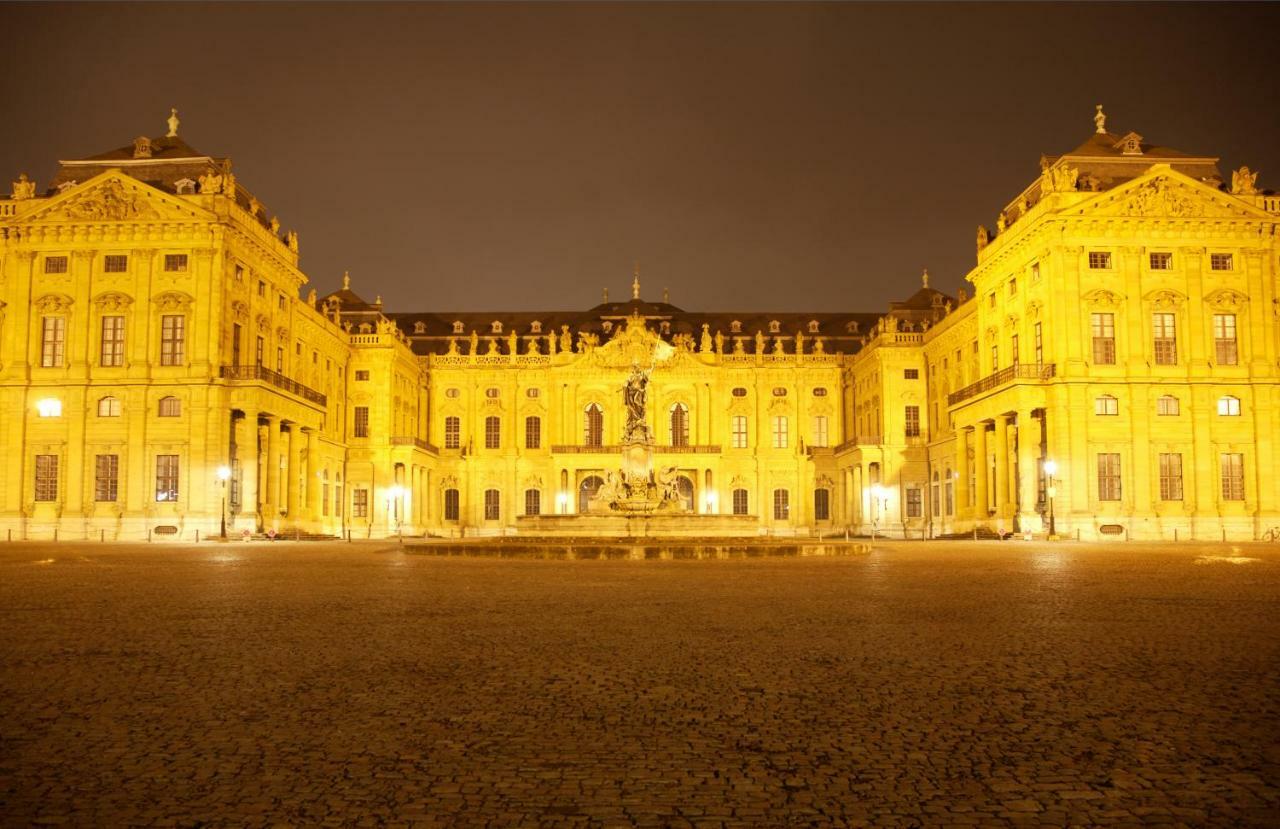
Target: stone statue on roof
<point x="719" y="342"/>
<point x="23" y="188"/>
<point x="1244" y="182"/>
<point x="474" y="342"/>
<point x="759" y="341"/>
<point x="211" y="182"/>
<point x="291" y="239"/>
<point x="1001" y="223"/>
<point x="531" y="347"/>
<point x="984" y="237"/>
<point x="704" y="345"/>
<point x="453" y="347"/>
<point x="173" y="123"/>
<point x="1100" y="120"/>
<point x="739" y="347"/>
<point x="513" y="343"/>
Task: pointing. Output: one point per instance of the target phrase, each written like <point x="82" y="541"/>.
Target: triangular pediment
<point x="1164" y="193"/>
<point x="631" y="345"/>
<point x="115" y="197"/>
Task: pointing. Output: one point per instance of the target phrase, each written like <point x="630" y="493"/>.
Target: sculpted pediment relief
<point x="1164" y="197"/>
<point x="1165" y="299"/>
<point x="114" y="197"/>
<point x="634" y="345"/>
<point x="112" y="301"/>
<point x="1103" y="297"/>
<point x="1226" y="299"/>
<point x="52" y="303"/>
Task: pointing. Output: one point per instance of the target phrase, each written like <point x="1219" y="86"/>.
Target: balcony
<point x="614" y="449"/>
<point x="275" y="378"/>
<point x="410" y="440"/>
<point x="1000" y="378"/>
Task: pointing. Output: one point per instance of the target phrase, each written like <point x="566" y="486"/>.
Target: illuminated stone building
<point x="1122" y="323"/>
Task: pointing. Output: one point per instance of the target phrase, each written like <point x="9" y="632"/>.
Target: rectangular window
<point x="914" y="502"/>
<point x="912" y="420"/>
<point x="950" y="495"/>
<point x="259" y="351"/>
<point x="1161" y="261"/>
<point x="359" y="503"/>
<point x="169" y="407"/>
<point x="53" y="341"/>
<point x="1013" y="286"/>
<point x="1099" y="260"/>
<point x="166" y="477"/>
<point x="532" y="502"/>
<point x="781" y="505"/>
<point x="1106" y="405"/>
<point x="115" y="263"/>
<point x="279" y="359"/>
<point x="112" y="342"/>
<point x="1224" y="339"/>
<point x="1039" y="345"/>
<point x="236" y="337"/>
<point x="452" y="433"/>
<point x="533" y="433"/>
<point x="995" y="358"/>
<point x="820" y="430"/>
<point x="324" y="498"/>
<point x="46" y="477"/>
<point x="1170" y="476"/>
<point x="362" y="375"/>
<point x="911" y="374"/>
<point x="1220" y="262"/>
<point x="55" y="264"/>
<point x="172" y="339"/>
<point x="1167" y="405"/>
<point x="262" y="288"/>
<point x="739" y="502"/>
<point x="280" y="302"/>
<point x="1166" y="339"/>
<point x="361" y="429"/>
<point x="1104" y="338"/>
<point x="492" y="503"/>
<point x="174" y="262"/>
<point x="739" y="424"/>
<point x="1035" y="271"/>
<point x="822" y="505"/>
<point x="451" y="505"/>
<point x="1232" y="476"/>
<point x="780" y="432"/>
<point x="1013" y="350"/>
<point x="1109" y="476"/>
<point x="492" y="432"/>
<point x="106" y="477"/>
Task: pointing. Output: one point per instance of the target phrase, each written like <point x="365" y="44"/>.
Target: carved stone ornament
<point x="1159" y="198"/>
<point x="1226" y="299"/>
<point x="52" y="303"/>
<point x="984" y="237"/>
<point x="211" y="183"/>
<point x="110" y="202"/>
<point x="1165" y="299"/>
<point x="449" y="482"/>
<point x="23" y="188"/>
<point x="1102" y="298"/>
<point x="173" y="301"/>
<point x="262" y="323"/>
<point x="291" y="239"/>
<point x="240" y="310"/>
<point x="1059" y="179"/>
<point x="1244" y="182"/>
<point x="112" y="301"/>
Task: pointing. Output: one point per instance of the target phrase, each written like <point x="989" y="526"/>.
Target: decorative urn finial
<point x="606" y="296"/>
<point x="1100" y="119"/>
<point x="635" y="283"/>
<point x="173" y="123"/>
<point x="924" y="278"/>
<point x="346" y="280"/>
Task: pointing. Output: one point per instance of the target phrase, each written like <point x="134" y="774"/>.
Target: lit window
<point x="1220" y="262"/>
<point x="819" y="430"/>
<point x="112" y="341"/>
<point x="739" y="431"/>
<point x="1229" y="406"/>
<point x="1165" y="343"/>
<point x="781" y="505"/>
<point x="1161" y="262"/>
<point x="1167" y="405"/>
<point x="115" y="263"/>
<point x="53" y="340"/>
<point x="46" y="478"/>
<point x="780" y="432"/>
<point x="55" y="264"/>
<point x="166" y="478"/>
<point x="359" y="503"/>
<point x="170" y="407"/>
<point x="106" y="477"/>
<point x="1106" y="405"/>
<point x="49" y="407"/>
<point x="1224" y="339"/>
<point x="360" y="427"/>
<point x="172" y="339"/>
<point x="175" y="262"/>
<point x="109" y="407"/>
<point x="1099" y="260"/>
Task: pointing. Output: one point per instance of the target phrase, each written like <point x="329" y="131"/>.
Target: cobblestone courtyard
<point x="948" y="684"/>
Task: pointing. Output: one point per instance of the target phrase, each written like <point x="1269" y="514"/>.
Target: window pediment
<point x="52" y="303"/>
<point x="1101" y="297"/>
<point x="1165" y="299"/>
<point x="173" y="301"/>
<point x="1226" y="299"/>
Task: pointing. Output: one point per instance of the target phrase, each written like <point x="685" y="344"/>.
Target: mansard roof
<point x="1103" y="162"/>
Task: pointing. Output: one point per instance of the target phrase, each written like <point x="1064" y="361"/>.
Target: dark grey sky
<point x="751" y="157"/>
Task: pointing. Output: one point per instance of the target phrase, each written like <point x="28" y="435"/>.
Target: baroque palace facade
<point x="1115" y="368"/>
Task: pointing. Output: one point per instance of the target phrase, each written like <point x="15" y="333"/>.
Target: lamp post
<point x="224" y="475"/>
<point x="1051" y="469"/>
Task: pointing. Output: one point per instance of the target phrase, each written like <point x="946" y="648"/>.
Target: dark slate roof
<point x="161" y="148"/>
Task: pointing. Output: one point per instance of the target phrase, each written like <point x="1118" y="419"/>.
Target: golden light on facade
<point x="49" y="407"/>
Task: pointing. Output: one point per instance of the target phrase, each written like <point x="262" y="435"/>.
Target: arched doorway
<point x="684" y="488"/>
<point x="587" y="490"/>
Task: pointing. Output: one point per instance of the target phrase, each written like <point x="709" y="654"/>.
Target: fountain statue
<point x="636" y="487"/>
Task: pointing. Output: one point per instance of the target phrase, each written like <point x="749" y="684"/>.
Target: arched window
<point x="587" y="491"/>
<point x="533" y="432"/>
<point x="950" y="487"/>
<point x="593" y="425"/>
<point x="679" y="424"/>
<point x="739" y="502"/>
<point x="775" y="327"/>
<point x="822" y="504"/>
<point x="813" y="326"/>
<point x="495" y="327"/>
<point x="1167" y="405"/>
<point x="1106" y="405"/>
<point x="452" y="433"/>
<point x="684" y="488"/>
<point x="492" y="504"/>
<point x="781" y="505"/>
<point x="109" y="407"/>
<point x="936" y="495"/>
<point x="1229" y="406"/>
<point x="492" y="432"/>
<point x="735" y="327"/>
<point x="532" y="502"/>
<point x="451" y="505"/>
<point x="170" y="407"/>
<point x="457" y="327"/>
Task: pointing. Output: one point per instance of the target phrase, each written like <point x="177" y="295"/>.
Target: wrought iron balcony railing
<point x="276" y="379"/>
<point x="410" y="440"/>
<point x="1001" y="377"/>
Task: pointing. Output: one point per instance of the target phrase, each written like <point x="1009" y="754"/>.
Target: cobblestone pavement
<point x="948" y="684"/>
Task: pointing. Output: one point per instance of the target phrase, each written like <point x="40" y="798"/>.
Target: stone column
<point x="1028" y="468"/>
<point x="1001" y="454"/>
<point x="962" y="471"/>
<point x="313" y="472"/>
<point x="293" y="482"/>
<point x="270" y="500"/>
<point x="981" y="470"/>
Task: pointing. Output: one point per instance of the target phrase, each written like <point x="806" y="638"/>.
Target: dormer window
<point x="1131" y="144"/>
<point x="495" y="327"/>
<point x="184" y="186"/>
<point x="607" y="326"/>
<point x="735" y="327"/>
<point x="457" y="327"/>
<point x="535" y="327"/>
<point x="852" y="327"/>
<point x="813" y="326"/>
<point x="775" y="327"/>
<point x="142" y="147"/>
<point x="666" y="328"/>
<point x="419" y="327"/>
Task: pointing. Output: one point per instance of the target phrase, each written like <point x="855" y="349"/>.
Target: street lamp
<point x="1051" y="469"/>
<point x="224" y="475"/>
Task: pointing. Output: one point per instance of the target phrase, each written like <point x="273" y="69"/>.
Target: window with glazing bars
<point x="1232" y="476"/>
<point x="781" y="505"/>
<point x="739" y="502"/>
<point x="1164" y="330"/>
<point x="361" y="426"/>
<point x="819" y="430"/>
<point x="912" y="418"/>
<point x="1220" y="261"/>
<point x="115" y="263"/>
<point x="822" y="505"/>
<point x="1224" y="339"/>
<point x="492" y="501"/>
<point x="914" y="502"/>
<point x="679" y="425"/>
<point x="112" y="350"/>
<point x="106" y="477"/>
<point x="492" y="432"/>
<point x="46" y="478"/>
<point x="779" y="432"/>
<point x="532" y="502"/>
<point x="1170" y="476"/>
<point x="738" y="430"/>
<point x="1109" y="476"/>
<point x="53" y="341"/>
<point x="1099" y="260"/>
<point x="593" y="426"/>
<point x="166" y="477"/>
<point x="359" y="503"/>
<point x="1104" y="338"/>
<point x="172" y="336"/>
<point x="1161" y="261"/>
<point x="533" y="432"/>
<point x="1039" y="344"/>
<point x="452" y="433"/>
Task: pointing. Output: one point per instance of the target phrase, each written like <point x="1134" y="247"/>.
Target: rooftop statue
<point x="1244" y="182"/>
<point x="23" y="188"/>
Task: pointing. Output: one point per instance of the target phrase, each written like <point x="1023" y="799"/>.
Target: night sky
<point x="751" y="157"/>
